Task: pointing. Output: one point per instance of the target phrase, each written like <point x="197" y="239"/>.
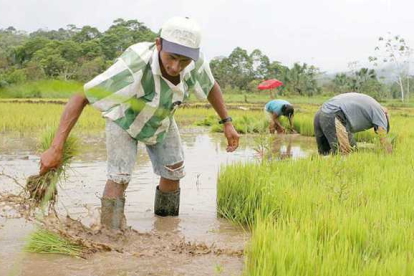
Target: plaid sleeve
<point x="202" y="78"/>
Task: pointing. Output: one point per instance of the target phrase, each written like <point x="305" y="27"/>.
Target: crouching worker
<point x="274" y="110"/>
<point x="345" y="114"/>
<point x="138" y="95"/>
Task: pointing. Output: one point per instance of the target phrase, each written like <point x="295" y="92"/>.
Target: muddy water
<point x="160" y="250"/>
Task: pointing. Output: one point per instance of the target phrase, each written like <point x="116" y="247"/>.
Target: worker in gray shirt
<point x="346" y="114"/>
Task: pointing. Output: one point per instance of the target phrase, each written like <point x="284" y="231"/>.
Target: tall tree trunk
<point x="401" y="87"/>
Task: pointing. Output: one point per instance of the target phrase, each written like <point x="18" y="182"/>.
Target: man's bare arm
<point x="52" y="158"/>
<point x="216" y="100"/>
<point x="279" y="127"/>
<point x="292" y="128"/>
<point x="291" y="121"/>
<point x="272" y="127"/>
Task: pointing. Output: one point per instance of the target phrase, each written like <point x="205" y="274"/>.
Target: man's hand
<point x="276" y="123"/>
<point x="232" y="137"/>
<point x="215" y="97"/>
<point x="280" y="130"/>
<point x="50" y="159"/>
<point x="388" y="149"/>
<point x="382" y="133"/>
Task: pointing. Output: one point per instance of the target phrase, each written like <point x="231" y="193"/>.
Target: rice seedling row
<point x="332" y="215"/>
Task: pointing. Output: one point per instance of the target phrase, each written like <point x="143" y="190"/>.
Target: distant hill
<point x="387" y="73"/>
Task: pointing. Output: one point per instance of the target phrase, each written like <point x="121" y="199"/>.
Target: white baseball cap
<point x="181" y="36"/>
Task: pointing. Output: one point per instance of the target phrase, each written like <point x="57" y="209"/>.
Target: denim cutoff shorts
<point x="122" y="154"/>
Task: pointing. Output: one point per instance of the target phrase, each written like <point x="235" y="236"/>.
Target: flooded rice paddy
<point x="195" y="243"/>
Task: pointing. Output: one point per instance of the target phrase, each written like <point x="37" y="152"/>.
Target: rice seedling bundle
<point x="47" y="242"/>
<point x="42" y="189"/>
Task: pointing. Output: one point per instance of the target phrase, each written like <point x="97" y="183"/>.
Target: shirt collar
<point x="155" y="63"/>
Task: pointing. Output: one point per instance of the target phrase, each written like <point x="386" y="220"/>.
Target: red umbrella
<point x="270" y="84"/>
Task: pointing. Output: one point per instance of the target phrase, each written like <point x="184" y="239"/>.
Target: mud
<point x="195" y="243"/>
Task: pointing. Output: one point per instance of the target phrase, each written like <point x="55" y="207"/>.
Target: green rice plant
<point x="394" y="139"/>
<point x="330" y="215"/>
<point x="207" y="121"/>
<point x="302" y="123"/>
<point x="244" y="124"/>
<point x="320" y="248"/>
<point x="47" y="242"/>
<point x="216" y="128"/>
<point x="233" y="188"/>
<point x="263" y="145"/>
<point x="42" y="189"/>
<point x="42" y="89"/>
<point x="254" y="122"/>
<point x="28" y="117"/>
<point x="368" y="136"/>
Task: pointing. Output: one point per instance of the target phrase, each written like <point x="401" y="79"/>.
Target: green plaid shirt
<point x="133" y="93"/>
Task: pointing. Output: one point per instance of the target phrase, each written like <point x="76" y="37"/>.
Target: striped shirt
<point x="134" y="94"/>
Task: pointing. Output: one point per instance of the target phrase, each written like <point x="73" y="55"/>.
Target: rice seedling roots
<point x="41" y="188"/>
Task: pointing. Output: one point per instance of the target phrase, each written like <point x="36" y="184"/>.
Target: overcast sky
<point x="326" y="33"/>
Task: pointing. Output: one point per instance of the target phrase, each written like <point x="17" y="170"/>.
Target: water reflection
<point x="205" y="153"/>
<point x="79" y="196"/>
<point x="280" y="147"/>
<point x="283" y="150"/>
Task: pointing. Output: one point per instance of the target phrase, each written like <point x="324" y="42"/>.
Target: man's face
<point x="173" y="64"/>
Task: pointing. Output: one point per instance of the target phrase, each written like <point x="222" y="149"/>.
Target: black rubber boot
<point x="112" y="213"/>
<point x="167" y="203"/>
